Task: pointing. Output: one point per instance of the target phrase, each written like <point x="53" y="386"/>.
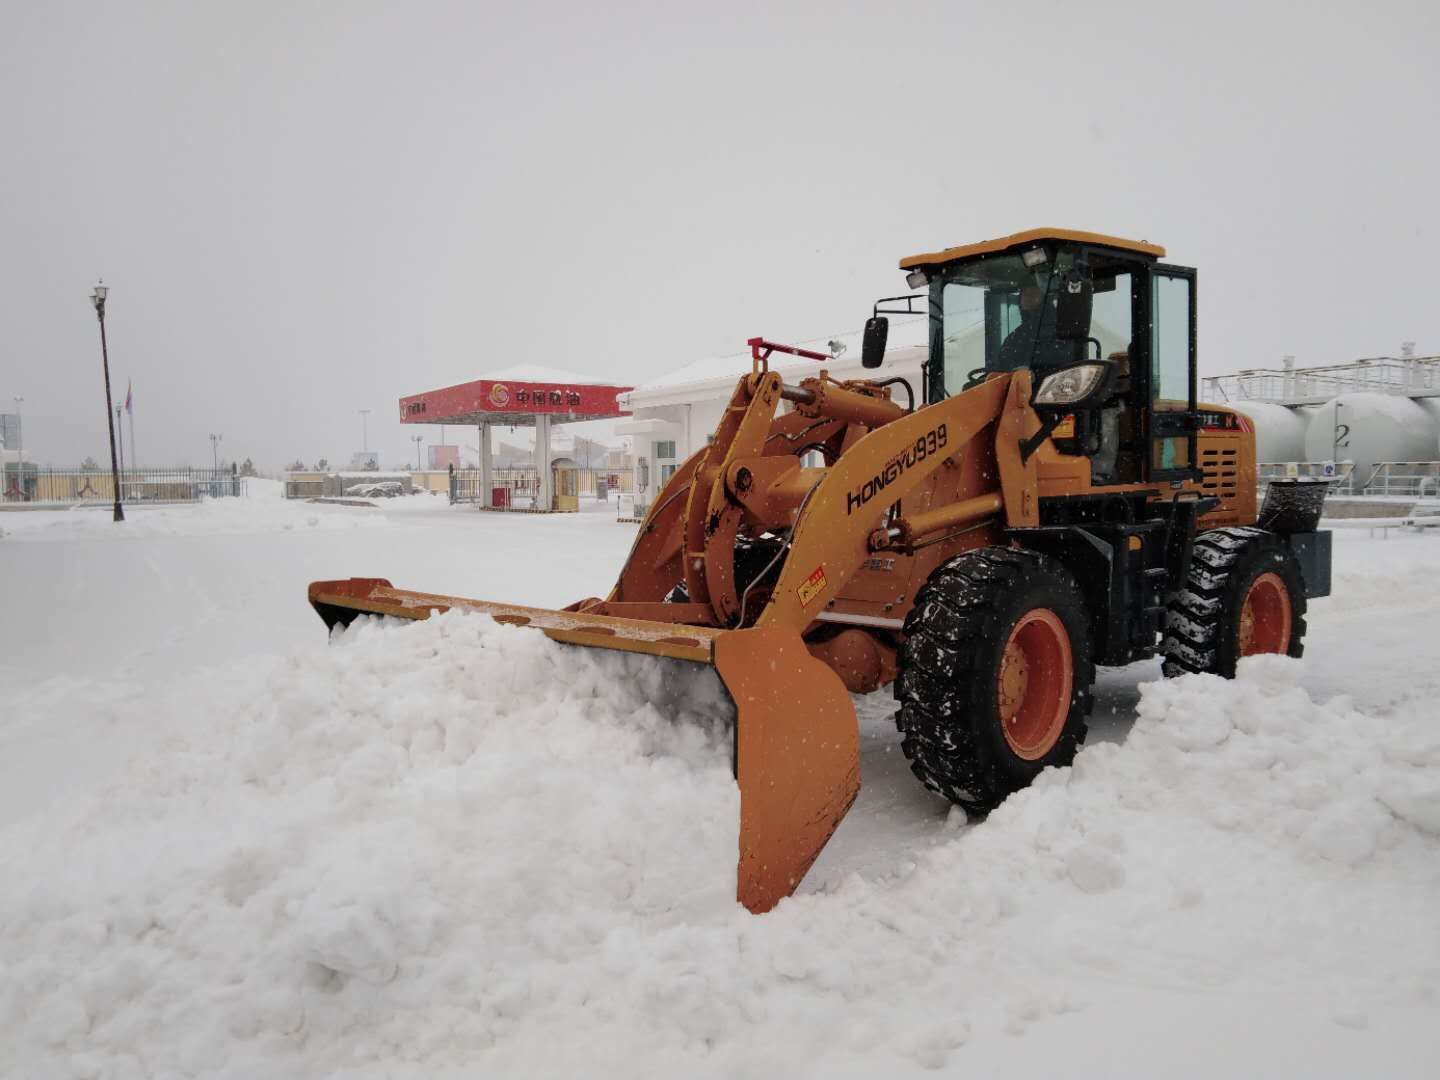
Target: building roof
<point x="704" y="377"/>
<point x="1030" y="236"/>
<point x="905" y="331"/>
<point x="542" y="374"/>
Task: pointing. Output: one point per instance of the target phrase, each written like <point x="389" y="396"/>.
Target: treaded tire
<point x="950" y="671"/>
<point x="1202" y="619"/>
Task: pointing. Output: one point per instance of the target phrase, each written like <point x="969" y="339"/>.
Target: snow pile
<point x="262" y="511"/>
<point x="455" y="848"/>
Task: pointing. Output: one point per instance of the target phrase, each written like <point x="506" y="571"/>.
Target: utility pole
<point x="98" y="298"/>
<point x="215" y="451"/>
<point x="417" y="440"/>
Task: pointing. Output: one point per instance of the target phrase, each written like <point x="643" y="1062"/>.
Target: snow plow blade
<point x="797" y="757"/>
<point x="797" y="744"/>
<point x="339" y="602"/>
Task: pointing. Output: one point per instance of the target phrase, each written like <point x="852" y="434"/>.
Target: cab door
<point x="1171" y="427"/>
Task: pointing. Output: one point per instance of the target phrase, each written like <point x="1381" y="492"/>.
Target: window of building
<point x="665" y="450"/>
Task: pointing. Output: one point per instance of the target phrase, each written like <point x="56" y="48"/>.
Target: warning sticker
<point x="812" y="586"/>
<point x="1065" y="429"/>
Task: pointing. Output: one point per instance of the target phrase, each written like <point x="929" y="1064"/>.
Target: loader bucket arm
<point x="830" y="541"/>
<point x="653" y="566"/>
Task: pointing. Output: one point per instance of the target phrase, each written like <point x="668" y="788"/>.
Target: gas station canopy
<point x="516" y="397"/>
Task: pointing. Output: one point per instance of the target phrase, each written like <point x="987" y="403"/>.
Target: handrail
<point x="1397" y="479"/>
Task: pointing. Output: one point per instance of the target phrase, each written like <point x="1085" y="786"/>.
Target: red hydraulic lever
<point x="760" y="351"/>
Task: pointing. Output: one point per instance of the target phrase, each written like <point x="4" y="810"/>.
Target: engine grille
<point x="1221" y="467"/>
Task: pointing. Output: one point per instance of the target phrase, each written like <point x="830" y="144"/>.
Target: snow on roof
<point x="542" y="374"/>
<point x="904" y="334"/>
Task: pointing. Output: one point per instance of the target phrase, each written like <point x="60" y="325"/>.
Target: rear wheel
<point x="995" y="675"/>
<point x="1244" y="595"/>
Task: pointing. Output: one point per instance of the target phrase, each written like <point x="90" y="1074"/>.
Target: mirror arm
<point x="908" y="309"/>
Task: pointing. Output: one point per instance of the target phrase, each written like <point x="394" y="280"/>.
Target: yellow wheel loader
<point x="1052" y="497"/>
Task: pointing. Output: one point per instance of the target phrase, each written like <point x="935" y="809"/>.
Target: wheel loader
<point x="1050" y="498"/>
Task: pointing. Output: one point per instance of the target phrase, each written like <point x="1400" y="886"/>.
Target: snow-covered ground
<point x="230" y="849"/>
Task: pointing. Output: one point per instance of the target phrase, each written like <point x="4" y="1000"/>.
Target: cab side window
<point x="1110" y="318"/>
<point x="1170" y="345"/>
<point x="1172" y="305"/>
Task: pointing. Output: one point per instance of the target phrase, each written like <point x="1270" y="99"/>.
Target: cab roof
<point x="1027" y="238"/>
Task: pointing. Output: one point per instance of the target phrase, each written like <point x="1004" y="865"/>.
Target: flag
<point x="129" y="398"/>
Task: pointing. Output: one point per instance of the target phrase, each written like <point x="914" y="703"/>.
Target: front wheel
<point x="995" y="675"/>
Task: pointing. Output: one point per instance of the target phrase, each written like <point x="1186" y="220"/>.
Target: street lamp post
<point x="417" y="440"/>
<point x="215" y="452"/>
<point x="364" y="430"/>
<point x="98" y="298"/>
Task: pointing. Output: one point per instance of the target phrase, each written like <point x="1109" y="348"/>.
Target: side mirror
<point x="1072" y="307"/>
<point x="872" y="351"/>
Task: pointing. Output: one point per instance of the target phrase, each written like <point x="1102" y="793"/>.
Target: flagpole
<point x="121" y="424"/>
<point x="130" y="408"/>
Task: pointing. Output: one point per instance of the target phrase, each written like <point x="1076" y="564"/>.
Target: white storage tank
<point x="1431" y="405"/>
<point x="1279" y="431"/>
<point x="1382" y="427"/>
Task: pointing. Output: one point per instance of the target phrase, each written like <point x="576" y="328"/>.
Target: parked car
<point x="386" y="489"/>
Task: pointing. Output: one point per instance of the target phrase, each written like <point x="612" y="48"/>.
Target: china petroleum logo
<point x="499" y="395"/>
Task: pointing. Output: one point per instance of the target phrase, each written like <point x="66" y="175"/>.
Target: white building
<point x="675" y="415"/>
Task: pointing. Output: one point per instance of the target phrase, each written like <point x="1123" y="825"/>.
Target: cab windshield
<point x="998" y="314"/>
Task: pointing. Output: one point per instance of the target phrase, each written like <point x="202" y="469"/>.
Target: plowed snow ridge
<point x="457" y="848"/>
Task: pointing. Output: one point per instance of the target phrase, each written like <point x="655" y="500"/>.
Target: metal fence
<point x="1402" y="479"/>
<point x="64" y="487"/>
<point x="518" y="488"/>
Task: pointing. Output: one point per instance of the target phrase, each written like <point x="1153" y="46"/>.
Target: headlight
<point x="1071" y="385"/>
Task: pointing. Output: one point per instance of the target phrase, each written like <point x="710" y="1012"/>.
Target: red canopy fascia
<point x="512" y="401"/>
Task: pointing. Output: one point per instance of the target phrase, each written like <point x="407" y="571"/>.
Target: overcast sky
<point x="307" y="209"/>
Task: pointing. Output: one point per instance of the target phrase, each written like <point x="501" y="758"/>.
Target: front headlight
<point x="1071" y="385"/>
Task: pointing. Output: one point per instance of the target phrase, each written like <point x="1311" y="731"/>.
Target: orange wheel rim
<point x="1265" y="617"/>
<point x="1034" y="683"/>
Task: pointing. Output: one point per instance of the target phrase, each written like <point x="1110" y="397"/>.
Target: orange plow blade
<point x="797" y="757"/>
<point x="797" y="742"/>
<point x="339" y="602"/>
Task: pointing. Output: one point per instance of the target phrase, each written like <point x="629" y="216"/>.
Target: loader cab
<point x="1048" y="300"/>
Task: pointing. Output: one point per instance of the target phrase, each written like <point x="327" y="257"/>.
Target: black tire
<point x="1202" y="619"/>
<point x="950" y="669"/>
